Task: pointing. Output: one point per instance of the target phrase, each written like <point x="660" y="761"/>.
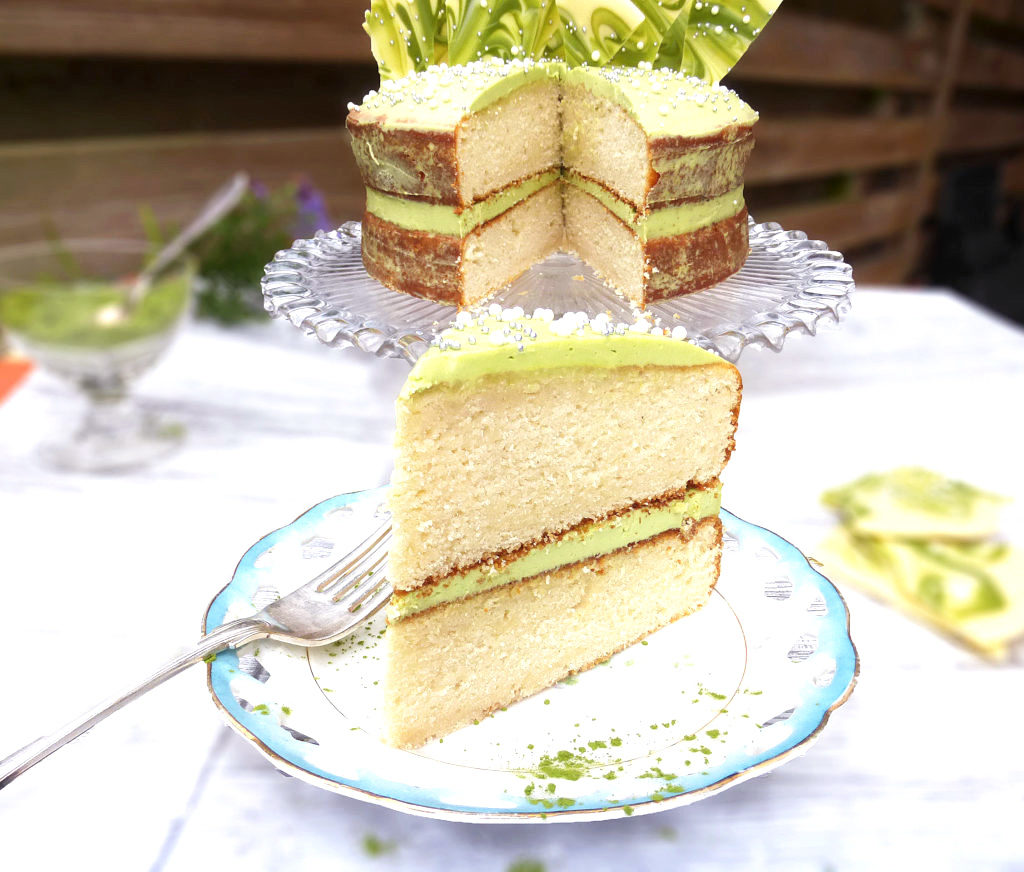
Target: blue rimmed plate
<point x="731" y="692"/>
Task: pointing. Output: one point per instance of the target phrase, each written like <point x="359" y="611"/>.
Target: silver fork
<point x="331" y="606"/>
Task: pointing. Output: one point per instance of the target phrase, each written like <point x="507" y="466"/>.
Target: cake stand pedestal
<point x="789" y="283"/>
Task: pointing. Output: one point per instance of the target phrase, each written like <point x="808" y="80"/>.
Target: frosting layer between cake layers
<point x="451" y="666"/>
<point x="584" y="542"/>
<point x="453" y="220"/>
<point x="668" y="219"/>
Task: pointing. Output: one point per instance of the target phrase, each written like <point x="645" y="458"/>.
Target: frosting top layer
<point x="664" y="102"/>
<point x="441" y="96"/>
<point x="508" y="341"/>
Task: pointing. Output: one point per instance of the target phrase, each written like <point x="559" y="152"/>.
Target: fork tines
<point x="366" y="560"/>
<point x="373" y="598"/>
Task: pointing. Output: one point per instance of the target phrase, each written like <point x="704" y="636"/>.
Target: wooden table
<point x="104" y="576"/>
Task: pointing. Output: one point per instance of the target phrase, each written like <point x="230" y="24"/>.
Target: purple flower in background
<point x="233" y="253"/>
<point x="312" y="211"/>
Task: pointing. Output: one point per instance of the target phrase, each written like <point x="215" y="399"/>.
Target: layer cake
<point x="475" y="172"/>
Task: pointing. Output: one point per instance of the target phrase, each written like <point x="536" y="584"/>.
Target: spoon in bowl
<point x="223" y="201"/>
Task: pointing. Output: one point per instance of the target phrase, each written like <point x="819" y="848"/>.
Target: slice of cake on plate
<point x="475" y="172"/>
<point x="555" y="499"/>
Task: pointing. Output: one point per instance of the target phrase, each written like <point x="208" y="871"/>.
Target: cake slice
<point x="555" y="499"/>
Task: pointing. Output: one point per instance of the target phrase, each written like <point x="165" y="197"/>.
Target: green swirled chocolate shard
<point x="593" y="32"/>
<point x="644" y="44"/>
<point x="405" y="35"/>
<point x="709" y="41"/>
<point x="499" y="28"/>
<point x="703" y="39"/>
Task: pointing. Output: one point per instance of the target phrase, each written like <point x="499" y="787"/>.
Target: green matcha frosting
<point x="581" y="543"/>
<point x="507" y="341"/>
<point x="682" y="217"/>
<point x="93" y="314"/>
<point x="452" y="220"/>
<point x="440" y="97"/>
<point x="455" y="221"/>
<point x="663" y="102"/>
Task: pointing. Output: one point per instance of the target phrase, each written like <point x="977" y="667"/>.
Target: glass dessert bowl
<point x="67" y="305"/>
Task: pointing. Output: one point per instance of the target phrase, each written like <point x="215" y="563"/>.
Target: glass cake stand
<point x="789" y="283"/>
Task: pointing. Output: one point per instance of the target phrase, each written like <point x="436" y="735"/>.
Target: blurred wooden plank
<point x="129" y="97"/>
<point x="282" y="9"/>
<point x="992" y="10"/>
<point x="975" y="130"/>
<point x="989" y="66"/>
<point x="941" y="99"/>
<point x="891" y="265"/>
<point x="120" y="219"/>
<point x="852" y="223"/>
<point x="807" y="147"/>
<point x="302" y="30"/>
<point x="1013" y="177"/>
<point x="802" y="48"/>
<point x="97" y="186"/>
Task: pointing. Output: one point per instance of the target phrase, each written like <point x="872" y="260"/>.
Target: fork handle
<point x="231" y="635"/>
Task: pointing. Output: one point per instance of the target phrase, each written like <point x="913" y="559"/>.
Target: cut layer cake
<point x="555" y="499"/>
<point x="474" y="172"/>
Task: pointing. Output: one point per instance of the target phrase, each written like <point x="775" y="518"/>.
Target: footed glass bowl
<point x="788" y="283"/>
<point x="66" y="304"/>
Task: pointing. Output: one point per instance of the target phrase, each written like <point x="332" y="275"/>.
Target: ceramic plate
<point x="730" y="692"/>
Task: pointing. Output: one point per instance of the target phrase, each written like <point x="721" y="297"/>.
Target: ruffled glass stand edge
<point x="789" y="283"/>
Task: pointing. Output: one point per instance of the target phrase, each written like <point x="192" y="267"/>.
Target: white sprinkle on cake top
<point x="664" y="101"/>
<point x="513" y="327"/>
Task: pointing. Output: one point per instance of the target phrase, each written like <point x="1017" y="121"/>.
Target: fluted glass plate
<point x="730" y="692"/>
<point x="789" y="283"/>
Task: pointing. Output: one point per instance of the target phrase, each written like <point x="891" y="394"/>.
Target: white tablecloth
<point x="104" y="576"/>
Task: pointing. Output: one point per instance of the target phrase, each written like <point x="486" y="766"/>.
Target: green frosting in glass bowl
<point x="91" y="314"/>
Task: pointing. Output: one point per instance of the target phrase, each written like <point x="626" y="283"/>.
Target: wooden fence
<point x="113" y="103"/>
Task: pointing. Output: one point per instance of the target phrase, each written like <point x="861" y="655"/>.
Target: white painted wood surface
<point x="101" y="577"/>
